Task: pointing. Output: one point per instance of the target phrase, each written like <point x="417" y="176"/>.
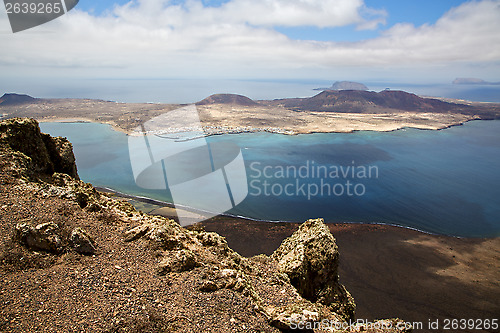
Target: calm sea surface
<point x="445" y="182"/>
<point x="191" y="91"/>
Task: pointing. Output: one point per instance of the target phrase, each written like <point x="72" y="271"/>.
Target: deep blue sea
<point x="445" y="182"/>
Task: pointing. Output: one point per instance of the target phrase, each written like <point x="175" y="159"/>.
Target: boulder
<point x="47" y="154"/>
<point x="310" y="258"/>
<point x="178" y="261"/>
<point x="42" y="237"/>
<point x="136" y="233"/>
<point x="61" y="155"/>
<point x="81" y="242"/>
<point x="295" y="316"/>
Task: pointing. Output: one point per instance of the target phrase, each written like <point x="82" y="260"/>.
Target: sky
<point x="424" y="41"/>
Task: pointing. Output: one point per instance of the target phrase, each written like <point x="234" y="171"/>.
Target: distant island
<point x="472" y="81"/>
<point x="345" y="85"/>
<point x="329" y="111"/>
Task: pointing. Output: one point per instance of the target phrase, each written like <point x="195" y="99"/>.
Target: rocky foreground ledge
<point x="73" y="259"/>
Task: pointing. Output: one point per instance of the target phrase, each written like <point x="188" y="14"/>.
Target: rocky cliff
<point x="73" y="259"/>
<point x="45" y="153"/>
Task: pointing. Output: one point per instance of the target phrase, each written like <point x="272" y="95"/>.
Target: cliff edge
<point x="73" y="259"/>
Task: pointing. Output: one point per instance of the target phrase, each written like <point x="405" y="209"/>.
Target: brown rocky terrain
<point x="75" y="260"/>
<point x="392" y="271"/>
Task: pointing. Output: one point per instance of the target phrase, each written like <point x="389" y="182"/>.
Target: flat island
<point x="329" y="111"/>
<point x="391" y="272"/>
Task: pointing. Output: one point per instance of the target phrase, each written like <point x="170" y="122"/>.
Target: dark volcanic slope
<point x="371" y="102"/>
<point x="227" y="99"/>
<point x="12" y="99"/>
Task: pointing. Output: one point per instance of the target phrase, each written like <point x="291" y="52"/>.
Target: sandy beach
<point x="395" y="272"/>
<point x="391" y="271"/>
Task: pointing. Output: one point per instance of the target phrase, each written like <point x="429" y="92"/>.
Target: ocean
<point x="191" y="91"/>
<point x="444" y="182"/>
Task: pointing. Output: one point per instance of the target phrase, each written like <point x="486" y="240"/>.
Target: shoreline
<point x="224" y="114"/>
<point x="272" y="130"/>
<point x="394" y="271"/>
<point x="64" y="120"/>
<point x="160" y="203"/>
<point x="163" y="204"/>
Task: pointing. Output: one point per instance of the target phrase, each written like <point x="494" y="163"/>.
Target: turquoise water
<point x="444" y="182"/>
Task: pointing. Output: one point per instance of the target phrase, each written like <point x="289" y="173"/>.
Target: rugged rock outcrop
<point x="61" y="155"/>
<point x="44" y="236"/>
<point x="149" y="274"/>
<point x="47" y="155"/>
<point x="310" y="258"/>
<point x="82" y="242"/>
<point x="298" y="286"/>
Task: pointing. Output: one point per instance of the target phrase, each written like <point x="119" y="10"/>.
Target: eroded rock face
<point x="47" y="154"/>
<point x="298" y="284"/>
<point x="310" y="258"/>
<point x="178" y="261"/>
<point x="61" y="155"/>
<point x="49" y="237"/>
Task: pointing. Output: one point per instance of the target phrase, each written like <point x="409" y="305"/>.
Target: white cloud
<point x="466" y="33"/>
<point x="269" y="13"/>
<point x="155" y="38"/>
<point x="319" y="13"/>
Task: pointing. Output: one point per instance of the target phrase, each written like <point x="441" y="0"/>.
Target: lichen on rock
<point x="178" y="261"/>
<point x="47" y="154"/>
<point x="44" y="236"/>
<point x="310" y="258"/>
<point x="298" y="283"/>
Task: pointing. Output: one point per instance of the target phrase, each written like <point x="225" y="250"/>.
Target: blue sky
<point x="394" y="40"/>
<point x="398" y="11"/>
